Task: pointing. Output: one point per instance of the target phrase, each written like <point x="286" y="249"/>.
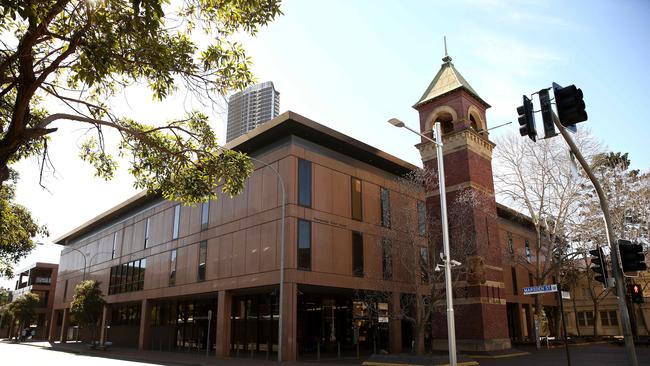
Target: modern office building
<point x="40" y="279"/>
<point x="176" y="276"/>
<point x="250" y="108"/>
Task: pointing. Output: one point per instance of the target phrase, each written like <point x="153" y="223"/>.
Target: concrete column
<point x="51" y="334"/>
<point x="224" y="311"/>
<point x="290" y="322"/>
<point x="102" y="330"/>
<point x="145" y="313"/>
<point x="64" y="326"/>
<point x="395" y="325"/>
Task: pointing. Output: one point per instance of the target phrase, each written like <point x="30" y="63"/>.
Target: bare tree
<point x="539" y="179"/>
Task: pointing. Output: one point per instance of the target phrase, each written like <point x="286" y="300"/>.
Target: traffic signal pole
<point x="617" y="268"/>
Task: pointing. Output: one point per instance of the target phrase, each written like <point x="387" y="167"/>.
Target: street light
<point x="451" y="326"/>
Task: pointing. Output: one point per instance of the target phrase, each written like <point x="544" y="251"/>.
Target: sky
<point x="352" y="64"/>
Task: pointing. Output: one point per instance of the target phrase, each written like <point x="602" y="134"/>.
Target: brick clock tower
<point x="479" y="296"/>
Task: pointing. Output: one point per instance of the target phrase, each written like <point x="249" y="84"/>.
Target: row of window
<point x="607" y="318"/>
<point x="203" y="257"/>
<point x="356" y="203"/>
<point x="127" y="277"/>
<point x="511" y="248"/>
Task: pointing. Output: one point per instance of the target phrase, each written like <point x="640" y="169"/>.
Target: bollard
<point x="237" y="350"/>
<point x="252" y="351"/>
<point x="318" y="350"/>
<point x="338" y="349"/>
<point x="374" y="345"/>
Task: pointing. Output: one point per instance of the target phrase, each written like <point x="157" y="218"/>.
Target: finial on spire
<point x="447" y="58"/>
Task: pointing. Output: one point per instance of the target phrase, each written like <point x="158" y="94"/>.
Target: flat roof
<point x="38" y="265"/>
<point x="286" y="124"/>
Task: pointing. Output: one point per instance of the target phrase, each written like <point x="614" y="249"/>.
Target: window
<point x="608" y="318"/>
<point x="384" y="194"/>
<point x="424" y="264"/>
<point x="586" y="318"/>
<point x="357" y="211"/>
<point x="172" y="268"/>
<point x="357" y="254"/>
<point x="386" y="258"/>
<point x="304" y="244"/>
<point x="127" y="277"/>
<point x="586" y="293"/>
<point x="530" y="279"/>
<point x="513" y="270"/>
<point x="304" y="183"/>
<point x="65" y="290"/>
<point x="114" y="250"/>
<point x="511" y="247"/>
<point x="529" y="256"/>
<point x="203" y="255"/>
<point x="177" y="221"/>
<point x="205" y="214"/>
<point x="146" y="231"/>
<point x="422" y="218"/>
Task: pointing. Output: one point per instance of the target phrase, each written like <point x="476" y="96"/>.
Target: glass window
<point x="172" y="268"/>
<point x="114" y="250"/>
<point x="513" y="271"/>
<point x="304" y="244"/>
<point x="529" y="256"/>
<point x="386" y="258"/>
<point x="205" y="214"/>
<point x="143" y="266"/>
<point x="357" y="211"/>
<point x="424" y="264"/>
<point x="511" y="247"/>
<point x="613" y="318"/>
<point x="530" y="279"/>
<point x="177" y="221"/>
<point x="203" y="255"/>
<point x="590" y="318"/>
<point x="147" y="222"/>
<point x="604" y="318"/>
<point x="304" y="182"/>
<point x="384" y="194"/>
<point x="357" y="254"/>
<point x="65" y="290"/>
<point x="422" y="218"/>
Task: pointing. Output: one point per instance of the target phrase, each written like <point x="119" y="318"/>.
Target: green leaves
<point x="87" y="303"/>
<point x="23" y="308"/>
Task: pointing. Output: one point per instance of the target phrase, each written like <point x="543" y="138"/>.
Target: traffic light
<point x="527" y="119"/>
<point x="599" y="265"/>
<point x="569" y="104"/>
<point x="632" y="256"/>
<point x="636" y="293"/>
<point x="547" y="114"/>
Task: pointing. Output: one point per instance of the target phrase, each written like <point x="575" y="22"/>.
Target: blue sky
<point x="352" y="65"/>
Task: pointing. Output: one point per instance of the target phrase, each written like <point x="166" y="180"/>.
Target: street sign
<point x="539" y="289"/>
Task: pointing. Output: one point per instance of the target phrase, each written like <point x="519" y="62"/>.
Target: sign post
<point x="545" y="289"/>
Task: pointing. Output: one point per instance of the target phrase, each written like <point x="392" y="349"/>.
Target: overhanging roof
<point x="287" y="124"/>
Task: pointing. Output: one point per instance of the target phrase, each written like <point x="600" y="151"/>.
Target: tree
<point x="87" y="305"/>
<point x="540" y="180"/>
<point x="628" y="193"/>
<point x="75" y="55"/>
<point x="23" y="310"/>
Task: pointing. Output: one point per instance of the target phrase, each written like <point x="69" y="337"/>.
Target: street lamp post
<point x="451" y="325"/>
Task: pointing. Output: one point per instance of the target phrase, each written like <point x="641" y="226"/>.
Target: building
<point x="40" y="279"/>
<point x="250" y="108"/>
<point x="172" y="272"/>
<point x="583" y="319"/>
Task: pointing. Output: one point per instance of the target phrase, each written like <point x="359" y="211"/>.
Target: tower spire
<point x="447" y="58"/>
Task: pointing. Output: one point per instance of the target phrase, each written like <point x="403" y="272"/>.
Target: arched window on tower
<point x="446" y="123"/>
<point x="472" y="122"/>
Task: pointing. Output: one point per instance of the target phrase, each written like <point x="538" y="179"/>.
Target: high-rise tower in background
<point x="251" y="107"/>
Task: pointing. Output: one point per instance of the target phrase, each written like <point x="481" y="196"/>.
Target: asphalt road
<point x="592" y="355"/>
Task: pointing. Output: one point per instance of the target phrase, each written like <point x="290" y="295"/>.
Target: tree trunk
<point x="537" y="320"/>
<point x="575" y="311"/>
<point x="595" y="318"/>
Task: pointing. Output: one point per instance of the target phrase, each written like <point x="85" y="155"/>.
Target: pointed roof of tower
<point x="447" y="79"/>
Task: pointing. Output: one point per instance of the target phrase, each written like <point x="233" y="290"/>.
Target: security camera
<point x="455" y="263"/>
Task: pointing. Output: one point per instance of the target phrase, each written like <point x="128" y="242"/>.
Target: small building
<point x="40" y="279"/>
<point x="250" y="108"/>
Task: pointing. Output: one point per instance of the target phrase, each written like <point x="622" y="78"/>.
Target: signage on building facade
<point x="539" y="289"/>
